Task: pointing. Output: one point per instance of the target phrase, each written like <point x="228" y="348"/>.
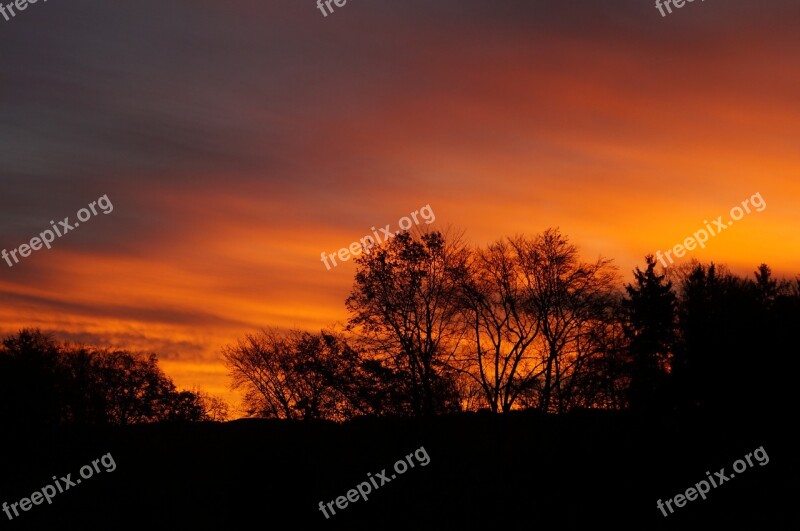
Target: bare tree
<point x="568" y="298"/>
<point x="261" y="365"/>
<point x="601" y="379"/>
<point x="215" y="408"/>
<point x="500" y="327"/>
<point x="404" y="306"/>
<point x="301" y="375"/>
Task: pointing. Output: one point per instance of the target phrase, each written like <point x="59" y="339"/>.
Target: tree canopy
<point x="437" y="326"/>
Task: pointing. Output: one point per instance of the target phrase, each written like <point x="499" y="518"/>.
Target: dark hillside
<point x="579" y="470"/>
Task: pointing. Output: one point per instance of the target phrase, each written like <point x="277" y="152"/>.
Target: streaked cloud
<point x="239" y="141"/>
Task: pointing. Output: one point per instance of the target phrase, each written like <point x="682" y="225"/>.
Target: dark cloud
<point x="53" y="305"/>
<point x="166" y="349"/>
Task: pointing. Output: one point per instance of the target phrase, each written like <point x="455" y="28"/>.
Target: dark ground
<point x="578" y="471"/>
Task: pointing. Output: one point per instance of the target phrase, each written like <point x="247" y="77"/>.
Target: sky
<point x="238" y="141"/>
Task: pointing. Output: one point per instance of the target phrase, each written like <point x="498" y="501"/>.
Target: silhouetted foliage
<point x="405" y="308"/>
<point x="500" y="326"/>
<point x="32" y="380"/>
<point x="525" y="324"/>
<point x="300" y="375"/>
<point x="45" y="383"/>
<point x="650" y="327"/>
<point x="537" y="325"/>
<point x="729" y="327"/>
<point x="571" y="300"/>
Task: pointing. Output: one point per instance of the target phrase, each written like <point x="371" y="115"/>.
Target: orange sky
<point x="237" y="145"/>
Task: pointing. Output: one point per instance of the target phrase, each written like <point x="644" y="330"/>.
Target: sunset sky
<point x="239" y="140"/>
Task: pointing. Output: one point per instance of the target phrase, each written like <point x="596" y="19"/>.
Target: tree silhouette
<point x="767" y="287"/>
<point x="570" y="299"/>
<point x="438" y="327"/>
<point x="722" y="322"/>
<point x="32" y="380"/>
<point x="300" y="375"/>
<point x="650" y="312"/>
<point x="44" y="383"/>
<point x="405" y="308"/>
<point x="500" y="327"/>
<point x="525" y="324"/>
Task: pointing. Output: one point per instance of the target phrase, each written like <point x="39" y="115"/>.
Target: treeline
<point x="436" y="326"/>
<point x="47" y="383"/>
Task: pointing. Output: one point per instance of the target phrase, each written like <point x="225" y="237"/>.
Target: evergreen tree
<point x="650" y="328"/>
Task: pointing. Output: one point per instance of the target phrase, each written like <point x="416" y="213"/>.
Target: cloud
<point x="238" y="141"/>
